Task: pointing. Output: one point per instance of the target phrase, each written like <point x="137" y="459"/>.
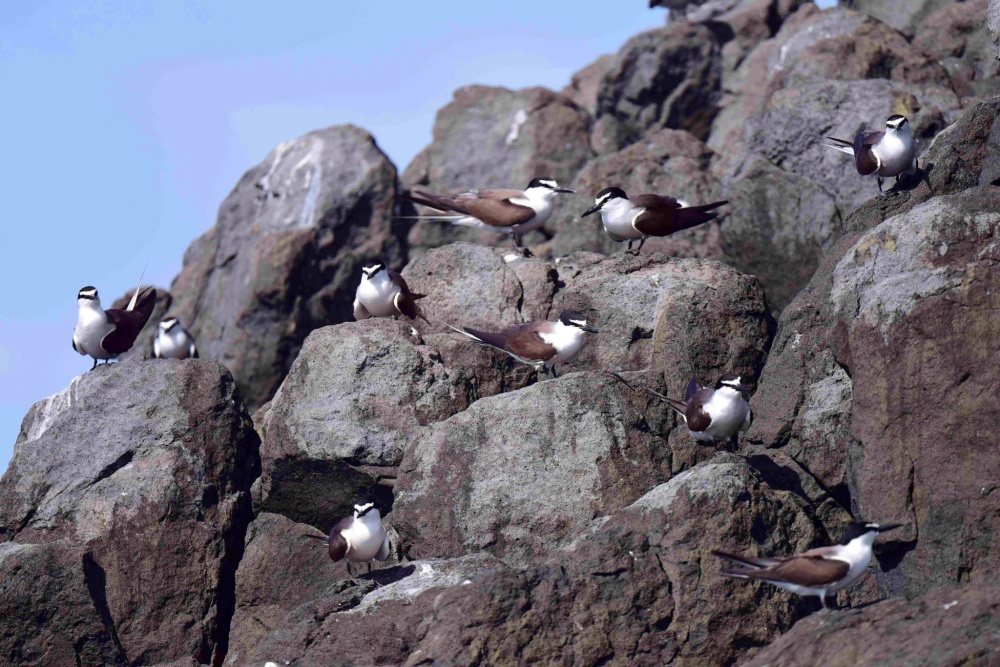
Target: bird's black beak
<point x="590" y="329"/>
<point x="889" y="526"/>
<point x="593" y="209"/>
<point x="566" y="191"/>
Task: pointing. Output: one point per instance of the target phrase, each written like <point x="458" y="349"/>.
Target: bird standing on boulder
<point x="172" y="341"/>
<point x="646" y="215"/>
<point x="512" y="212"/>
<point x="384" y="293"/>
<point x="819" y="572"/>
<point x="714" y="415"/>
<point x="360" y="538"/>
<point x="541" y="344"/>
<point x="889" y="153"/>
<point x="105" y="334"/>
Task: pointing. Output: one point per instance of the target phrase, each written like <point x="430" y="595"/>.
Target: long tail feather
<point x="697" y="215"/>
<point x="135" y="294"/>
<point x="748" y="561"/>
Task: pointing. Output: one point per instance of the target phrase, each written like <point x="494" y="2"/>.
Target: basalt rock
<point x="284" y="257"/>
<point x="131" y="486"/>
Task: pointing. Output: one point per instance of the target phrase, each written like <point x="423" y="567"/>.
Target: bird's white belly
<point x="568" y="344"/>
<point x="727" y="418"/>
<point x="173" y="347"/>
<point x="620" y="224"/>
<point x="377" y="297"/>
<point x="363" y="543"/>
<point x="91" y="328"/>
<point x="895" y="156"/>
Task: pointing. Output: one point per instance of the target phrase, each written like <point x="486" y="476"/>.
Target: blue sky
<point x="125" y="124"/>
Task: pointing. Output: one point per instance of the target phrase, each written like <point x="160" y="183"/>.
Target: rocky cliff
<point x="147" y="519"/>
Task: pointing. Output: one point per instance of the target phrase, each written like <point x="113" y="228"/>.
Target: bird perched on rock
<point x="105" y="334"/>
<point x="714" y="415"/>
<point x="359" y="538"/>
<point x="541" y="344"/>
<point x="172" y="341"/>
<point x="512" y="212"/>
<point x="889" y="153"/>
<point x="646" y="215"/>
<point x="384" y="293"/>
<point x="819" y="572"/>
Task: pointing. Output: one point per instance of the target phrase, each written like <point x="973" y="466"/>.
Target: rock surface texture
<point x="145" y="520"/>
<point x="285" y="255"/>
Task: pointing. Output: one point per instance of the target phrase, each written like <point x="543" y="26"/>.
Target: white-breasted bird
<point x="818" y="572"/>
<point x="105" y="334"/>
<point x="384" y="293"/>
<point x="885" y="154"/>
<point x="642" y="216"/>
<point x="540" y="343"/>
<point x="714" y="415"/>
<point x="360" y="538"/>
<point x="512" y="212"/>
<point x="173" y="341"/>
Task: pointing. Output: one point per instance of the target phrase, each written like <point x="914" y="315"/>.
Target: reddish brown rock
<point x="142" y="469"/>
<point x="284" y="257"/>
<point x="953" y="627"/>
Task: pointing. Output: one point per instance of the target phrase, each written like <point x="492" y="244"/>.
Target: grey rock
<point x="584" y="85"/>
<point x="685" y="317"/>
<point x="666" y="162"/>
<point x="284" y="257"/>
<point x="638" y="588"/>
<point x="497" y="138"/>
<point x="487" y="479"/>
<point x="145" y="467"/>
<point x="903" y="15"/>
<point x="669" y="77"/>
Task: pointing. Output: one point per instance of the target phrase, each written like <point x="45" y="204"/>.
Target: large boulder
<point x="665" y="162"/>
<point x="497" y="138"/>
<point x="522" y="473"/>
<point x="669" y="77"/>
<point x="896" y="315"/>
<point x="684" y="317"/>
<point x="952" y="627"/>
<point x="141" y="472"/>
<point x="638" y="587"/>
<point x="284" y="257"/>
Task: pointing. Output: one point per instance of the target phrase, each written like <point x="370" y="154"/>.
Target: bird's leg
<point x="554" y="373"/>
<point x="880" y="184"/>
<point x="95" y="364"/>
<point x="639" y="249"/>
<point x="629" y="250"/>
<point x="350" y="574"/>
<point x="516" y="238"/>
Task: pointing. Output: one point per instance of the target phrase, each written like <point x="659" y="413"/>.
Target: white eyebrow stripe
<point x="580" y="323"/>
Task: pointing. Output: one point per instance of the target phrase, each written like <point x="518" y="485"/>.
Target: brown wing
<point x="400" y="282"/>
<point x="522" y="341"/>
<point x="128" y="323"/>
<point x="803" y="570"/>
<point x="864" y="157"/>
<point x="337" y="543"/>
<point x="697" y="418"/>
<point x="494" y="207"/>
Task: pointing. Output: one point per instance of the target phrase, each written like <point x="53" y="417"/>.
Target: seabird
<point x="714" y="415"/>
<point x="172" y="341"/>
<point x="360" y="538"/>
<point x="512" y="212"/>
<point x="105" y="334"/>
<point x="541" y="344"/>
<point x="885" y="154"/>
<point x="646" y="215"/>
<point x="819" y="572"/>
<point x="384" y="293"/>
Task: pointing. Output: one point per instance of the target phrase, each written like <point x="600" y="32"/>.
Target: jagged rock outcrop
<point x="639" y="588"/>
<point x="132" y="486"/>
<point x="284" y="257"/>
<point x="497" y="138"/>
<point x="874" y="360"/>
<point x="954" y="627"/>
